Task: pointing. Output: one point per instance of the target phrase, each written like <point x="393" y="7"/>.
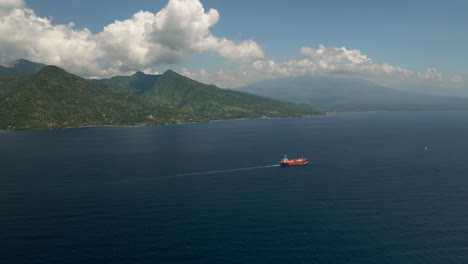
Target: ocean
<point x="381" y="187"/>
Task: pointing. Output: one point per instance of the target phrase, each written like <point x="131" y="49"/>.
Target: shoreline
<point x="329" y="113"/>
<point x="143" y="125"/>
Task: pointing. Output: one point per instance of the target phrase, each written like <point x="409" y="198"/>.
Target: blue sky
<point x="411" y="35"/>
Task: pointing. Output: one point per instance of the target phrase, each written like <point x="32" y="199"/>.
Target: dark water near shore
<point x="371" y="194"/>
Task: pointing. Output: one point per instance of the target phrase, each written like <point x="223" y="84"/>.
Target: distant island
<point x="351" y="94"/>
<point x="35" y="96"/>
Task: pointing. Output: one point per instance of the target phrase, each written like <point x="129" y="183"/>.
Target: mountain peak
<point x="170" y="72"/>
<point x="139" y="74"/>
<point x="23" y="61"/>
<point x="56" y="73"/>
<point x="51" y="69"/>
<point x="22" y="66"/>
<point x="54" y="98"/>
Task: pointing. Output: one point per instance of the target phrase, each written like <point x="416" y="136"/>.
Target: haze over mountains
<point x="54" y="98"/>
<point x="21" y="66"/>
<point x="35" y="96"/>
<point x="346" y="94"/>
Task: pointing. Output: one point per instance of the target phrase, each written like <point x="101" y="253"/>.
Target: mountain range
<point x="36" y="96"/>
<point x="347" y="94"/>
<point x="44" y="97"/>
<point x="21" y="66"/>
<point x="200" y="101"/>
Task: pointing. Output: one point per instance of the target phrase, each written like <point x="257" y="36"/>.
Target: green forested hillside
<point x="135" y="84"/>
<point x="210" y="102"/>
<point x="53" y="98"/>
<point x="8" y="82"/>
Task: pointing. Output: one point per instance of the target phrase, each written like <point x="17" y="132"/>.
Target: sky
<point x="233" y="43"/>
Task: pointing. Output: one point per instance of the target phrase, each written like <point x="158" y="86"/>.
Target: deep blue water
<point x="371" y="194"/>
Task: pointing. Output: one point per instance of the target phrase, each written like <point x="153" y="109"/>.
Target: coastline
<point x="323" y="114"/>
<point x="149" y="125"/>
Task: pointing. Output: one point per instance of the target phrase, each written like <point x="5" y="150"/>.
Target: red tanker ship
<point x="287" y="162"/>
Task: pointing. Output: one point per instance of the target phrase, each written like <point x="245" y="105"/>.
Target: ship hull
<point x="296" y="162"/>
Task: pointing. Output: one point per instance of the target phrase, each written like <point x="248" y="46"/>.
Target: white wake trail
<point x="194" y="174"/>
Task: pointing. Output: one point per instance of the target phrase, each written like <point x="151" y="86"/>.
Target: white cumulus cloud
<point x="7" y="6"/>
<point x="430" y="74"/>
<point x="179" y="30"/>
<point x="332" y="61"/>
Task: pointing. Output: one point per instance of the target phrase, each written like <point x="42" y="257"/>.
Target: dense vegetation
<point x="207" y="102"/>
<point x="53" y="98"/>
<point x="135" y="84"/>
<point x="34" y="96"/>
